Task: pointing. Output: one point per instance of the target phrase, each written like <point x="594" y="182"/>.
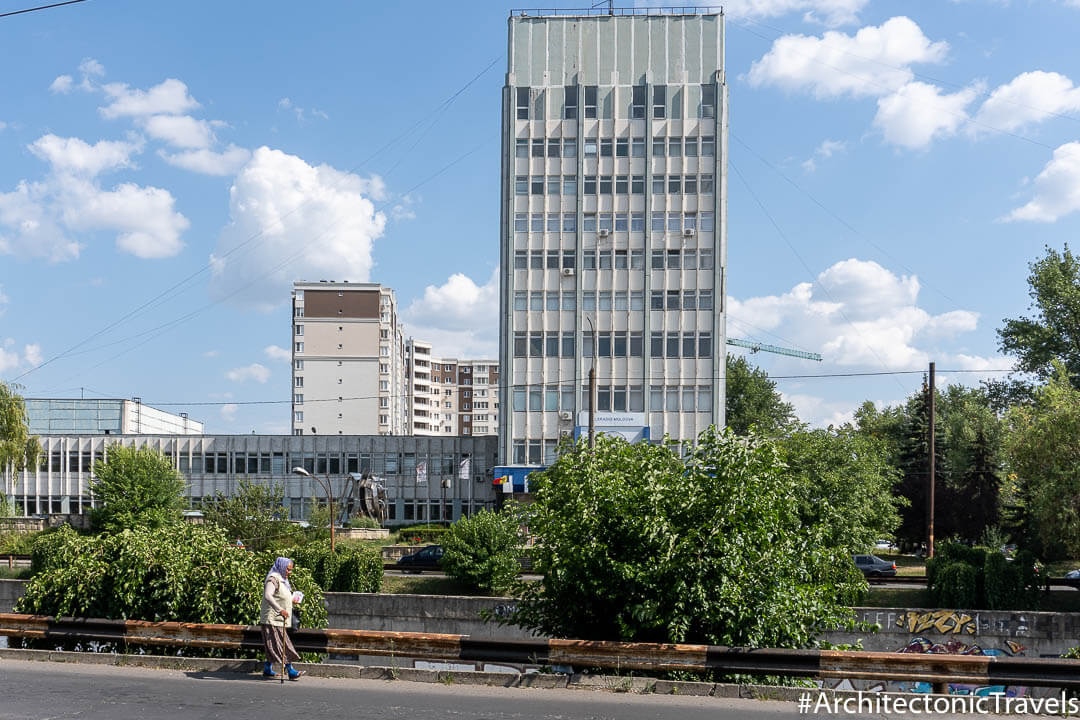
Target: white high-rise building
<point x="613" y="225"/>
<point x="450" y="397"/>
<point x="348" y="375"/>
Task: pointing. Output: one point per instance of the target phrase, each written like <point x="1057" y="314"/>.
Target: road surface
<point x="91" y="692"/>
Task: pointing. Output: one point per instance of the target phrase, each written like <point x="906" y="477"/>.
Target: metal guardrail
<point x="933" y="668"/>
<point x="14" y="561"/>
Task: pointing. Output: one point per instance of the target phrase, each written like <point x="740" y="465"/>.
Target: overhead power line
<point x="40" y="7"/>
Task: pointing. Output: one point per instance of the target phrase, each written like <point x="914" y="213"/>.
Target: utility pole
<point x="930" y="524"/>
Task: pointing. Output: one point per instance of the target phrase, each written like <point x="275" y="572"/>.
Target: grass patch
<point x="906" y="565"/>
<point x="1053" y="601"/>
<point x="15" y="573"/>
<point x="421" y="585"/>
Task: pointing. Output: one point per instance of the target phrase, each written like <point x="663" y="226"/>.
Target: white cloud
<point x="3" y="299"/>
<point x="90" y="67"/>
<point x="2" y="125"/>
<point x="180" y="130"/>
<point x="828" y="12"/>
<point x="917" y="113"/>
<point x="865" y="317"/>
<point x="72" y="155"/>
<point x="8" y="360"/>
<point x="32" y="354"/>
<point x="169" y="97"/>
<point x="874" y="61"/>
<point x="824" y="151"/>
<point x="254" y="371"/>
<point x="228" y="412"/>
<point x="1029" y="98"/>
<point x="35" y="216"/>
<point x="278" y="354"/>
<point x="819" y="412"/>
<point x="309" y="222"/>
<point x="1057" y="188"/>
<point x="211" y="354"/>
<point x="459" y="318"/>
<point x="209" y="162"/>
<point x="62" y="85"/>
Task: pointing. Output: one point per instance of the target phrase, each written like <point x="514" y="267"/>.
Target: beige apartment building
<point x="450" y="397"/>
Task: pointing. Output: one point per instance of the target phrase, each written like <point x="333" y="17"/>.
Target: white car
<point x="884" y="545"/>
<point x="1072" y="575"/>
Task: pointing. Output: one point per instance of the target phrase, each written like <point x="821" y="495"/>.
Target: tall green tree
<point x="18" y="448"/>
<point x="255" y="513"/>
<point x="1043" y="446"/>
<point x="636" y="542"/>
<point x="912" y="460"/>
<point x="844" y="485"/>
<point x="974" y="463"/>
<point x="753" y="402"/>
<point x="135" y="488"/>
<point x="1053" y="330"/>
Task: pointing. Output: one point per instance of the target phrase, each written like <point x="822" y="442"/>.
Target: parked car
<point x="427" y="558"/>
<point x="884" y="545"/>
<point x="1073" y="575"/>
<point x="873" y="566"/>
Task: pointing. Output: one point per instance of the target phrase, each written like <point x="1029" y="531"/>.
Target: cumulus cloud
<point x="63" y="84"/>
<point x="182" y="131"/>
<point x="917" y="113"/>
<point x="1057" y="188"/>
<point x="1028" y="98"/>
<point x="76" y="156"/>
<point x="3" y="300"/>
<point x="32" y="354"/>
<point x="209" y="162"/>
<point x="307" y="221"/>
<point x="254" y="371"/>
<point x="857" y="314"/>
<point x="228" y="412"/>
<point x="8" y="360"/>
<point x="459" y="318"/>
<point x="170" y="97"/>
<point x="824" y="151"/>
<point x="278" y="354"/>
<point x="874" y="61"/>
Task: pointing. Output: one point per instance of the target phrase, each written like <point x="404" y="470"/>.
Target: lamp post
<point x="329" y="497"/>
<point x="592" y="388"/>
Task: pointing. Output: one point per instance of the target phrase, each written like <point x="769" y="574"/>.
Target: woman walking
<point x="274" y="618"/>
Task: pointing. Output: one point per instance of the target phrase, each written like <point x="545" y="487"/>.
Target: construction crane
<point x="764" y="347"/>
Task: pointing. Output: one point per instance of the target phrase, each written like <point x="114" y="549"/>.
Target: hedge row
<point x="977" y="577"/>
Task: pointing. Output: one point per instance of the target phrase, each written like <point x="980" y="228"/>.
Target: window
<point x="688" y="344"/>
<point x="622" y="186"/>
<point x="535" y="399"/>
<point x="706" y="258"/>
<point x="569" y="222"/>
<point x="622" y="301"/>
<point x="658" y="184"/>
<point x="656" y="344"/>
<point x="674" y="258"/>
<point x="299" y="347"/>
<point x="637" y="102"/>
<point x="689" y="300"/>
<point x="704" y="399"/>
<point x="674" y="147"/>
<point x="605" y="185"/>
<point x="604" y="298"/>
<point x="637" y="300"/>
<point x="618" y="347"/>
<point x="656" y="300"/>
<point x="569" y="185"/>
<point x="521" y="185"/>
<point x="590" y="101"/>
<point x="523" y="103"/>
<point x="622" y="224"/>
<point x="657" y="260"/>
<point x="298" y="416"/>
<point x="521" y="261"/>
<point x="658" y="147"/>
<point x="569" y="302"/>
<point x="589" y="186"/>
<point x="536" y="185"/>
<point x="690" y="146"/>
<point x="637" y="185"/>
<point x="537" y="223"/>
<point x="522" y="150"/>
<point x="637" y="147"/>
<point x="553" y="184"/>
<point x="620" y="255"/>
<point x="705" y="344"/>
<point x="590" y="147"/>
<point x="657" y="224"/>
<point x="674" y="184"/>
<point x="551" y="344"/>
<point x="551" y="400"/>
<point x="659" y="101"/>
<point x="570" y="103"/>
<point x="690" y="184"/>
<point x="673" y="299"/>
<point x="689" y="260"/>
<point x="672" y="398"/>
<point x="708" y="101"/>
<point x="674" y="222"/>
<point x="536" y="344"/>
<point x="298" y="398"/>
<point x="521" y="222"/>
<point x="605" y="221"/>
<point x="552" y="260"/>
<point x="705" y="300"/>
<point x="568" y="258"/>
<point x="536" y="260"/>
<point x="519" y="344"/>
<point x="708" y="147"/>
<point x="706" y="222"/>
<point x="672" y="346"/>
<point x="622" y="147"/>
<point x="569" y="147"/>
<point x="636" y="344"/>
<point x="567" y="344"/>
<point x="605" y="147"/>
<point x="553" y="222"/>
<point x="299" y="329"/>
<point x="552" y="302"/>
<point x="298" y="365"/>
<point x="586" y="344"/>
<point x="588" y="259"/>
<point x="538" y="148"/>
<point x="298" y="382"/>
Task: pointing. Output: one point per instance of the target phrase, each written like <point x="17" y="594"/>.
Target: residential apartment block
<point x="613" y="224"/>
<point x="348" y="356"/>
<point x="449" y="397"/>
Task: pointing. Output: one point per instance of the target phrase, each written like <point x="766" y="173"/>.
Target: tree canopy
<point x="636" y="542"/>
<point x="136" y="488"/>
<point x="255" y="513"/>
<point x="1053" y="331"/>
<point x="18" y="448"/>
<point x="752" y="400"/>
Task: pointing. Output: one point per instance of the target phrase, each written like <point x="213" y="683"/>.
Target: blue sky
<point x="167" y="169"/>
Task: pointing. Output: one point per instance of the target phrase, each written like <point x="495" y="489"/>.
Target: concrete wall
<point x="420" y="613"/>
<point x="10" y="591"/>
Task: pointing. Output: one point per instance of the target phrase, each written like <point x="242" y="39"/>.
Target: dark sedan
<point x="872" y="566"/>
<point x="427" y="558"/>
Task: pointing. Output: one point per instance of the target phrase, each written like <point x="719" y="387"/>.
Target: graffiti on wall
<point x="944" y="621"/>
<point x="956" y="647"/>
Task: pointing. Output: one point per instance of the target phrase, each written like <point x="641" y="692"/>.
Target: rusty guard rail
<point x="982" y="670"/>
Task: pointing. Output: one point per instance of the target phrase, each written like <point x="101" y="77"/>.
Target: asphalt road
<point x="40" y="690"/>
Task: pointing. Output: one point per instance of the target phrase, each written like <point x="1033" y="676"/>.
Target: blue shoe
<point x="294" y="674"/>
<point x="268" y="670"/>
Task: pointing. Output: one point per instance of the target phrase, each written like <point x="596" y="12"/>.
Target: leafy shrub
<point x="957" y="585"/>
<point x="350" y="569"/>
<point x="256" y="514"/>
<point x="363" y="522"/>
<point x="481" y="551"/>
<point x="18" y="543"/>
<point x="136" y="487"/>
<point x="987" y="581"/>
<point x="183" y="573"/>
<point x="422" y="533"/>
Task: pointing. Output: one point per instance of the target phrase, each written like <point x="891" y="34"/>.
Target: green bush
<point x="957" y="586"/>
<point x="351" y="569"/>
<point x="18" y="543"/>
<point x="183" y="573"/>
<point x="135" y="487"/>
<point x="363" y="522"/>
<point x="422" y="533"/>
<point x="481" y="551"/>
<point x="987" y="580"/>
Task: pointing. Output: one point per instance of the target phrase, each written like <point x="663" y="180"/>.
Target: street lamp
<point x="329" y="497"/>
<point x="592" y="388"/>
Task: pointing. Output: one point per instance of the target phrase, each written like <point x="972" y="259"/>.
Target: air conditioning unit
<point x="603" y="233"/>
<point x="689" y="232"/>
<point x="566" y="415"/>
<point x="568" y="272"/>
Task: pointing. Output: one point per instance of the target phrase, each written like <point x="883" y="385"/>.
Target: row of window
<point x="606" y="184"/>
<point x="596" y="259"/>
<point x="529" y="103"/>
<point x="616" y="147"/>
<point x="613" y="344"/>
<point x="614" y="300"/>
